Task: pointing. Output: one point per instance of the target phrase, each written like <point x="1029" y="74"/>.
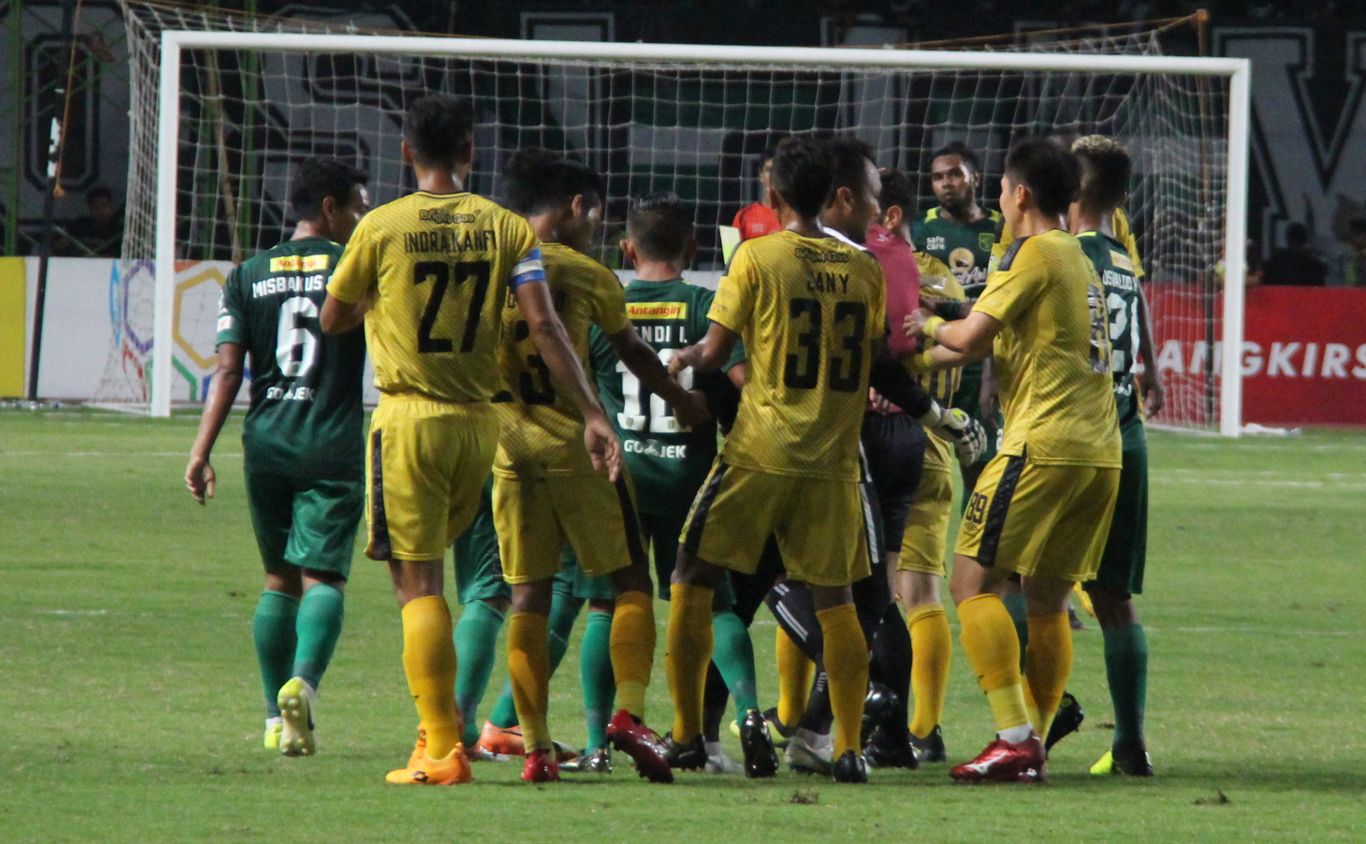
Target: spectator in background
<point x="99" y="233"/>
<point x="757" y="218"/>
<point x="1296" y="263"/>
<point x="1355" y="274"/>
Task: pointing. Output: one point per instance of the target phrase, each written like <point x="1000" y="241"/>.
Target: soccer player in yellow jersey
<point x="811" y="310"/>
<point x="1042" y="507"/>
<point x="545" y="491"/>
<point x="428" y="275"/>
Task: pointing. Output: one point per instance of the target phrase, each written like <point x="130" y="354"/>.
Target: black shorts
<point x="895" y="450"/>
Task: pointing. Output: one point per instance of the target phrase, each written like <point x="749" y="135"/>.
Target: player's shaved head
<point x="1106" y="168"/>
<point x="316" y="179"/>
<point x="802" y="175"/>
<point x="660" y="227"/>
<point x="1051" y="174"/>
<point x="439" y="129"/>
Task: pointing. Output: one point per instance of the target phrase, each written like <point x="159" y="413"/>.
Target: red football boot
<point x="1003" y="761"/>
<point x="541" y="766"/>
<point x="629" y="735"/>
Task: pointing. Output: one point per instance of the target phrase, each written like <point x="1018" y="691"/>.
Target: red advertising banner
<point x="1303" y="361"/>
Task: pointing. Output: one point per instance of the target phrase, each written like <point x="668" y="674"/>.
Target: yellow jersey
<point x="436" y="269"/>
<point x="1052" y="357"/>
<point x="1124" y="233"/>
<point x="937" y="281"/>
<point x="811" y="312"/>
<point x="542" y="430"/>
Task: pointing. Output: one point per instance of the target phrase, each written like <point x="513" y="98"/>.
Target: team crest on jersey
<point x="985" y="240"/>
<point x="657" y="310"/>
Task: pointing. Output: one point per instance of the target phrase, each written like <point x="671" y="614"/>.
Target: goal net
<point x="247" y="98"/>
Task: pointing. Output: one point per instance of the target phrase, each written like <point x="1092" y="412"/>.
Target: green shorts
<point x="310" y="524"/>
<point x="574" y="583"/>
<point x="662" y="532"/>
<point x="478" y="568"/>
<point x="1126" y="548"/>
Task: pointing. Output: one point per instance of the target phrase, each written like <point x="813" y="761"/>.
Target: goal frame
<point x="1237" y="71"/>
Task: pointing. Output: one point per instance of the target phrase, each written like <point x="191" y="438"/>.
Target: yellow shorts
<point x="1039" y="519"/>
<point x="535" y="517"/>
<point x="425" y="464"/>
<point x="927" y="524"/>
<point x="819" y="524"/>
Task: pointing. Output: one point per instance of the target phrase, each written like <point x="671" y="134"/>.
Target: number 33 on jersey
<point x="810" y="312"/>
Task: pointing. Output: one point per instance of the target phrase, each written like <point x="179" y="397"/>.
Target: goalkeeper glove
<point x="968" y="436"/>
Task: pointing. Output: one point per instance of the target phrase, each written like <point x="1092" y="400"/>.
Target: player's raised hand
<point x="604" y="449"/>
<point x="200" y="478"/>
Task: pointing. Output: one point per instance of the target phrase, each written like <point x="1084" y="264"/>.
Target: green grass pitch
<point x="131" y="707"/>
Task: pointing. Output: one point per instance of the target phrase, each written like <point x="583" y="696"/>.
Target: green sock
<point x="476" y="649"/>
<point x="272" y="628"/>
<point x="733" y="654"/>
<point x="1126" y="669"/>
<point x="564" y="611"/>
<point x="595" y="675"/>
<point x="1019" y="615"/>
<point x="504" y="713"/>
<point x="317" y="628"/>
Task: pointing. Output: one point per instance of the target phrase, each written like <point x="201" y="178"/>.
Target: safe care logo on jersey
<point x="657" y="310"/>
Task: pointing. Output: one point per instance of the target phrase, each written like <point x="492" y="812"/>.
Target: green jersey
<point x="966" y="250"/>
<point x="305" y="415"/>
<point x="667" y="463"/>
<point x="1116" y="270"/>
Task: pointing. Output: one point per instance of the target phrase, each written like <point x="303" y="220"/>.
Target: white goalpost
<point x="231" y="109"/>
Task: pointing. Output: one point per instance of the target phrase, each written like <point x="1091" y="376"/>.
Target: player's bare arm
<point x="708" y="354"/>
<point x="971" y="337"/>
<point x="338" y="317"/>
<point x="1150" y="379"/>
<point x="690" y="407"/>
<point x="552" y="344"/>
<point x="227" y="380"/>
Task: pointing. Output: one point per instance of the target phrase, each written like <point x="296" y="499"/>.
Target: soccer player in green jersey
<point x="302" y="444"/>
<point x="667" y="462"/>
<point x="1105" y="182"/>
<point x="960" y="232"/>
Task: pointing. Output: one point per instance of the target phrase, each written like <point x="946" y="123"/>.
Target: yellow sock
<point x="429" y="663"/>
<point x="1048" y="661"/>
<point x="931" y="647"/>
<point x="993" y="650"/>
<point x="795" y="670"/>
<point x="687" y="655"/>
<point x="632" y="647"/>
<point x="529" y="673"/>
<point x="846" y="667"/>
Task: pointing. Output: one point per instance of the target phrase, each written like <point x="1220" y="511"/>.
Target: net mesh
<point x="694" y="128"/>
